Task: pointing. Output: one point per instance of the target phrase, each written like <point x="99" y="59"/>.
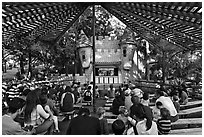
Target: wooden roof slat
<point x="173" y="41"/>
<point x="162" y="23"/>
<point x="166" y="20"/>
<point x="163" y="33"/>
<point x="162" y="11"/>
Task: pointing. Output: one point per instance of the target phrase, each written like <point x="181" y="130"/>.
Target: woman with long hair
<point x="35" y="115"/>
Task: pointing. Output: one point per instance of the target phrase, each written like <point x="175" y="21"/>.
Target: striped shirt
<point x="164" y="126"/>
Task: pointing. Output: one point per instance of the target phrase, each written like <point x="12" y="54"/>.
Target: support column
<point x="29" y="64"/>
<point x="163" y="67"/>
<point x="94" y="81"/>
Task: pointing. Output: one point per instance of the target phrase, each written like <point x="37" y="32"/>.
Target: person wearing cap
<point x="9" y="126"/>
<point x="84" y="124"/>
<point x="142" y="123"/>
<point x="168" y="104"/>
<point x="136" y="98"/>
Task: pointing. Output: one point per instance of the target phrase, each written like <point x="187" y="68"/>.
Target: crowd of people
<point x="37" y="107"/>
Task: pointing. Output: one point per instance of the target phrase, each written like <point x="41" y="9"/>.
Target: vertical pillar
<point x="94" y="83"/>
<point x="163" y="67"/>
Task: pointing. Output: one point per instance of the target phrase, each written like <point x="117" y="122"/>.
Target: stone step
<point x="190" y="131"/>
<point x="187" y="123"/>
<point x="180" y="124"/>
<point x="191" y="104"/>
<point x="186" y="112"/>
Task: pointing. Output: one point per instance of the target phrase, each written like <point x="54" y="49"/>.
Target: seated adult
<point x="111" y="92"/>
<point x="183" y="97"/>
<point x="67" y="101"/>
<point x="84" y="124"/>
<point x="88" y="94"/>
<point x="168" y="104"/>
<point x="76" y="93"/>
<point x="118" y="127"/>
<point x="117" y="102"/>
<point x="11" y="127"/>
<point x="50" y="102"/>
<point x="136" y="98"/>
<point x="140" y="121"/>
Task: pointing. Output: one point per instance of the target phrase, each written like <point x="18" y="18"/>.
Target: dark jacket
<point x="84" y="125"/>
<point x="117" y="102"/>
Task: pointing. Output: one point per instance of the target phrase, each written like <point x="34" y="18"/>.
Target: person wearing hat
<point x="84" y="124"/>
<point x="9" y="126"/>
<point x="136" y="98"/>
<point x="142" y="122"/>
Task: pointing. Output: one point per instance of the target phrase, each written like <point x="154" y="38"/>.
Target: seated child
<point x="123" y="114"/>
<point x="164" y="123"/>
<point x="156" y="111"/>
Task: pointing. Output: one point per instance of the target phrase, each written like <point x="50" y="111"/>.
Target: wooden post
<point x="94" y="83"/>
<point x="29" y="64"/>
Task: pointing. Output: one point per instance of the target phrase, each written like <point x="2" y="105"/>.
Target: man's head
<point x="16" y="105"/>
<point x="136" y="95"/>
<point x="84" y="112"/>
<point x="118" y="127"/>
